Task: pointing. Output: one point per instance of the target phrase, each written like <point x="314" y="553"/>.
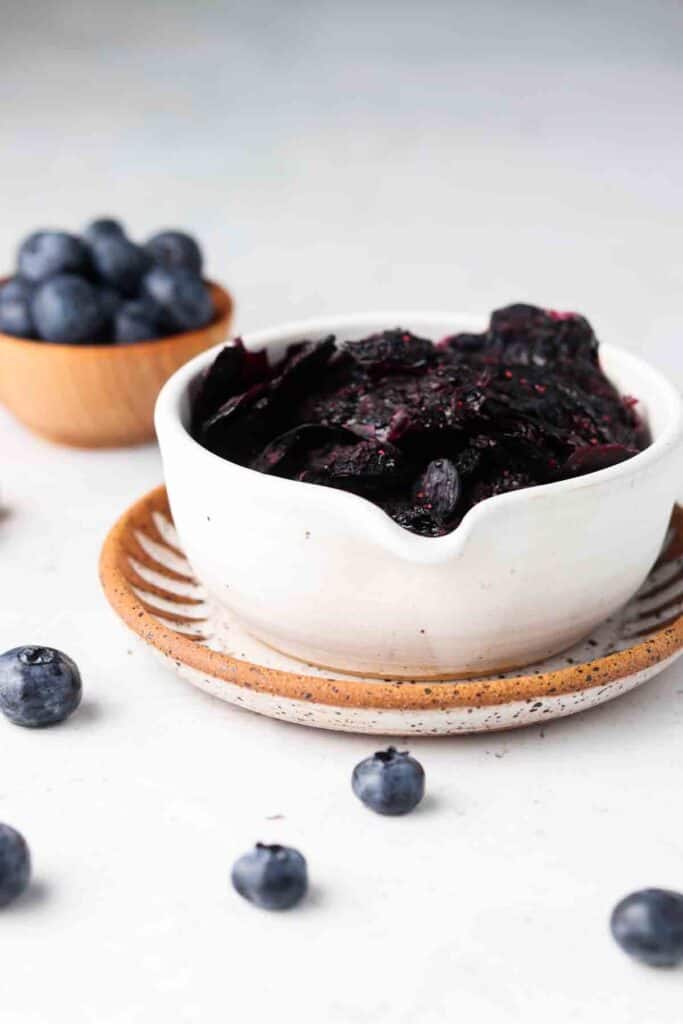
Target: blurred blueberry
<point x="137" y="320"/>
<point x="38" y="686"/>
<point x="272" y="877"/>
<point x="15" y="864"/>
<point x="648" y="925"/>
<point x="46" y="253"/>
<point x="389" y="782"/>
<point x="103" y="227"/>
<point x="110" y="301"/>
<point x="15" y="308"/>
<point x="175" y="249"/>
<point x="183" y="297"/>
<point x="68" y="309"/>
<point x="118" y="262"/>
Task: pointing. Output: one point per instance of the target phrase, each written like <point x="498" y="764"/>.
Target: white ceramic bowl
<point x="328" y="577"/>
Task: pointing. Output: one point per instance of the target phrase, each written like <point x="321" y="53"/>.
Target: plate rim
<point x="380" y="694"/>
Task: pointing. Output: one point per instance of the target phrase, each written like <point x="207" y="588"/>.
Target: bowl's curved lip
<point x="376" y="522"/>
<point x="122" y="589"/>
<point x="223" y="312"/>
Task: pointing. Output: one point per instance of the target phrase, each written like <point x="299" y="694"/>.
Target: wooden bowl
<point x="99" y="396"/>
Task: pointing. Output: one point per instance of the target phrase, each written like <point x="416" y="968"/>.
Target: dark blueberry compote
<point x="424" y="430"/>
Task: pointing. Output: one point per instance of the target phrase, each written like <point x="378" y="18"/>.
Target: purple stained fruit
<point x="426" y="431"/>
<point x="242" y="426"/>
<point x="289" y="454"/>
<point x="303" y="364"/>
<point x="362" y="467"/>
<point x="599" y="456"/>
<point x="234" y="370"/>
<point x="438" y="490"/>
<point x="539" y="336"/>
<point x="391" y="350"/>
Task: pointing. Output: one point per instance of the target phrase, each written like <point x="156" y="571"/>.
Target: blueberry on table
<point x="67" y="309"/>
<point x="137" y="320"/>
<point x="272" y="877"/>
<point x="182" y="295"/>
<point x="389" y="782"/>
<point x="46" y="253"/>
<point x="648" y="925"/>
<point x="38" y="686"/>
<point x="15" y="864"/>
<point x="118" y="262"/>
<point x="175" y="249"/>
<point x="15" y="308"/>
<point x="103" y="227"/>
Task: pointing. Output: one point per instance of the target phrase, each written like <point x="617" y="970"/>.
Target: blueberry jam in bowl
<point x="421" y="495"/>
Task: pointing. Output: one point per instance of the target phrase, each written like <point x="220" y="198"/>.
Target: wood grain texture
<point x="99" y="396"/>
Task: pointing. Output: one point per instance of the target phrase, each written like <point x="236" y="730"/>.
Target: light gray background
<point x="333" y="157"/>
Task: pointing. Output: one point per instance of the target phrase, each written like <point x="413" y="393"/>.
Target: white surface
<point x="409" y="606"/>
<point x="334" y="157"/>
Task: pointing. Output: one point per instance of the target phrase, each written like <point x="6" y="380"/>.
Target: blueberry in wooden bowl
<point x="92" y="326"/>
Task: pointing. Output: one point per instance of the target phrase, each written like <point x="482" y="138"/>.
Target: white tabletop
<point x="333" y="157"/>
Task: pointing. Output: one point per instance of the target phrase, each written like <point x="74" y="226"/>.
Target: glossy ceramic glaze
<point x="151" y="587"/>
<point x="327" y="577"/>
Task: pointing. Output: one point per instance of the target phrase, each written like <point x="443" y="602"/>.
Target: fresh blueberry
<point x="110" y="301"/>
<point x="272" y="877"/>
<point x="137" y="320"/>
<point x="182" y="295"/>
<point x="389" y="782"/>
<point x="67" y="308"/>
<point x="175" y="249"/>
<point x="15" y="864"/>
<point x="38" y="686"/>
<point x="103" y="227"/>
<point x="15" y="308"/>
<point x="648" y="925"/>
<point x="118" y="262"/>
<point x="46" y="253"/>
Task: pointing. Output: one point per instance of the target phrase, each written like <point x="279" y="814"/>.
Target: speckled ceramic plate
<point x="151" y="587"/>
